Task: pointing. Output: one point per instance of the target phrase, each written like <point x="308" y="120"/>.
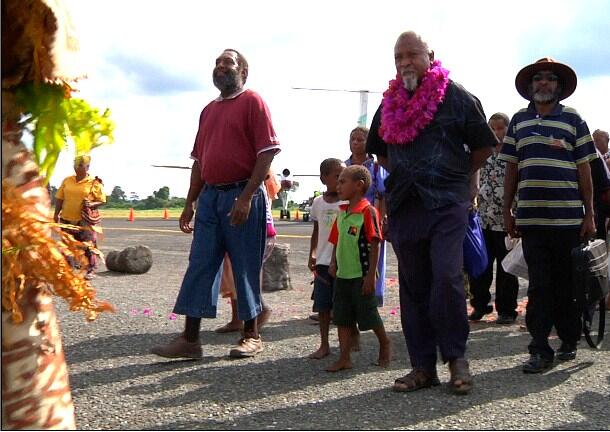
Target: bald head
<point x="412" y="59"/>
<point x="413" y="38"/>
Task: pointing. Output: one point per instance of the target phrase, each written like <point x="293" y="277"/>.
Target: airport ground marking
<point x="178" y="231"/>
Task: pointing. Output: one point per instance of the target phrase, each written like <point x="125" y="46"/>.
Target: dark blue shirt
<point x="548" y="150"/>
<point x="436" y="165"/>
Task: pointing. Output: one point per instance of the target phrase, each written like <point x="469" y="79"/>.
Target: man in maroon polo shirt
<point x="233" y="150"/>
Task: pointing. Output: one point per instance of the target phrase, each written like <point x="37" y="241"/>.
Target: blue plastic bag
<point x="475" y="251"/>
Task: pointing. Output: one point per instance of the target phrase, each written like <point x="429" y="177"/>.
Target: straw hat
<point x="567" y="77"/>
<point x="39" y="44"/>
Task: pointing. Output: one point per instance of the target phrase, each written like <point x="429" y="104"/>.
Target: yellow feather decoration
<point x="34" y="251"/>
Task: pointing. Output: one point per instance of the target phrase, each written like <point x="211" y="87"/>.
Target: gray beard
<point x="546" y="98"/>
<point x="227" y="83"/>
<point x="410" y="83"/>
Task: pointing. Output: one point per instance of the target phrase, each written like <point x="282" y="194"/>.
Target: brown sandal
<point x="461" y="380"/>
<point x="415" y="380"/>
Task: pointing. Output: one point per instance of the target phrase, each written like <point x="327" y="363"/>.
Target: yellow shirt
<point x="73" y="193"/>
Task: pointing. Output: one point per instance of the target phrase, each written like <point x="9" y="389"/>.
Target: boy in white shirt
<point x="324" y="210"/>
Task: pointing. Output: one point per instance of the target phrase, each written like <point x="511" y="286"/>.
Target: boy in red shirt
<point x="356" y="234"/>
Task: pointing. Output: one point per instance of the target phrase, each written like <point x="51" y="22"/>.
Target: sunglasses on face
<point x="548" y="77"/>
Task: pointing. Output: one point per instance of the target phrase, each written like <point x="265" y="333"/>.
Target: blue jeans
<point x="213" y="236"/>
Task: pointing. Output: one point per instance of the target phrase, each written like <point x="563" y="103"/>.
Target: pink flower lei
<point x="403" y="117"/>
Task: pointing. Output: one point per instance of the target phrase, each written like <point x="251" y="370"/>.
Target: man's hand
<point x="311" y="264"/>
<point x="332" y="269"/>
<point x="385" y="228"/>
<point x="509" y="224"/>
<point x="185" y="219"/>
<point x="587" y="229"/>
<point x="474" y="192"/>
<point x="368" y="285"/>
<point x="240" y="211"/>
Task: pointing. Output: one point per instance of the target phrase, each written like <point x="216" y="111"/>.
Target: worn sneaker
<point x="247" y="347"/>
<point x="566" y="352"/>
<point x="537" y="364"/>
<point x="179" y="348"/>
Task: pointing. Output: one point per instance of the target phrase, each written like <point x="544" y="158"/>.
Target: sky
<point x="151" y="63"/>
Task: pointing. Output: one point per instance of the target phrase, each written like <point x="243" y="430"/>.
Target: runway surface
<point x="116" y="384"/>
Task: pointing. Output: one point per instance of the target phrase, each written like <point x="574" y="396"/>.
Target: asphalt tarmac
<point x="164" y="235"/>
<point x="116" y="384"/>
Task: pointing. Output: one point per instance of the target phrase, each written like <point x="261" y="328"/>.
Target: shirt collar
<point x="87" y="177"/>
<point x="557" y="110"/>
<point x="367" y="161"/>
<point x="231" y="96"/>
<point x="360" y="206"/>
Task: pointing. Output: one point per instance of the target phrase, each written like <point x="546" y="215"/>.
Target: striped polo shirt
<point x="547" y="150"/>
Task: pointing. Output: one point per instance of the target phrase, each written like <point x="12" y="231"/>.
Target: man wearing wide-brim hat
<point x="548" y="149"/>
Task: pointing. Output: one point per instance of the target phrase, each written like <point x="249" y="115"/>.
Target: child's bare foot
<point x="339" y="365"/>
<point x="385" y="354"/>
<point x="355" y="341"/>
<point x="320" y="353"/>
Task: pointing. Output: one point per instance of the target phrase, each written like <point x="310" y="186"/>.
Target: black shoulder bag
<point x="590" y="275"/>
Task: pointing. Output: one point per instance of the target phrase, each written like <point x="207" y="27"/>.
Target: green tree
<point x="117" y="195"/>
<point x="162" y="194"/>
<point x="151" y="202"/>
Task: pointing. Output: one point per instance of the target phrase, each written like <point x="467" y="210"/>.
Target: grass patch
<point x="151" y="213"/>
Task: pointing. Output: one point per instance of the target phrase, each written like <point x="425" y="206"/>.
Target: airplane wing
<point x="172" y="166"/>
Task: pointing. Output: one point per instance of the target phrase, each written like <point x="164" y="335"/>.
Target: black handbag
<point x="590" y="276"/>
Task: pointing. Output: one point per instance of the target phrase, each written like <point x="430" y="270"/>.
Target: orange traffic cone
<point x="165" y="214"/>
<point x="130" y="218"/>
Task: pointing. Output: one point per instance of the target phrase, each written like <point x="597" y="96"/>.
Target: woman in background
<point x="77" y="192"/>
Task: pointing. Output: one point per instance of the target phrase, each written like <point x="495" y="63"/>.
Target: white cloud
<point x="306" y="44"/>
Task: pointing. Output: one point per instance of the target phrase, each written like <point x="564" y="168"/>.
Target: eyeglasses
<point x="548" y="77"/>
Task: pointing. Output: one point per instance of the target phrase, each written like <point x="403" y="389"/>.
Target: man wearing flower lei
<point x="432" y="136"/>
